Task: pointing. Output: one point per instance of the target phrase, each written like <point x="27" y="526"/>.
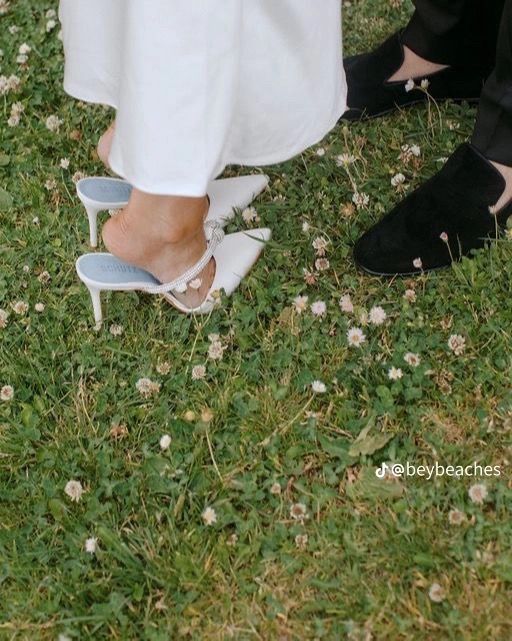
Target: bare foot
<point x="165" y="236"/>
<point x="506" y="197"/>
<point x="105" y="144"/>
<point x="415" y="66"/>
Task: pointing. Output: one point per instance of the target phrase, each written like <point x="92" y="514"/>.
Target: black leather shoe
<point x="370" y="94"/>
<point x="444" y="219"/>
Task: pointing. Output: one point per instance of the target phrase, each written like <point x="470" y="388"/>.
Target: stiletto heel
<point x="234" y="256"/>
<point x="225" y="195"/>
<point x="92" y="215"/>
<point x="96" y="304"/>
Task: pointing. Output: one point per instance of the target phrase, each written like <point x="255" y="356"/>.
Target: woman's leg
<point x="163" y="235"/>
<point x="105" y="144"/>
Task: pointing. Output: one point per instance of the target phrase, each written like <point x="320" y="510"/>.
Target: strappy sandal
<point x="234" y="255"/>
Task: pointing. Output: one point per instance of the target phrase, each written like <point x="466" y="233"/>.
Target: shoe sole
<point x="370" y="272"/>
<point x="381" y="114"/>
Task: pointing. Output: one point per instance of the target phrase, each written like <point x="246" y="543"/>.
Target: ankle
<point x="414" y="66"/>
<point x="164" y="235"/>
<point x="105" y="144"/>
<point x="171" y="220"/>
<point x="506" y="197"/>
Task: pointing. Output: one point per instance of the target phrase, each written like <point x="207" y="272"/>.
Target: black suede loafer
<point x="370" y="94"/>
<point x="444" y="219"/>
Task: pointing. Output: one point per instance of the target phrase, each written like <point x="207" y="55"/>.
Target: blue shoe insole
<point x="109" y="270"/>
<point x="106" y="191"/>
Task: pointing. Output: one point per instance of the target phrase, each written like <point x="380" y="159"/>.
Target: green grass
<point x="374" y="547"/>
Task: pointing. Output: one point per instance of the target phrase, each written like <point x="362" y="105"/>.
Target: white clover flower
<point x="116" y="330"/>
<point x="64" y="163"/>
<point x="250" y="215"/>
<point x="17" y="109"/>
<point x="7" y="393"/>
<point x="275" y="488"/>
<point x="395" y="373"/>
<point x="355" y="337"/>
<point x="309" y="277"/>
<point x="232" y="540"/>
<point x="91" y="545"/>
<point x="216" y="351"/>
<point x="20" y="307"/>
<point x="24" y="49"/>
<point x="319" y="308"/>
<point x="320" y="152"/>
<point x="425" y="84"/>
<point x="146" y="387"/>
<point x="320" y="245"/>
<point x="300" y="303"/>
<point x="321" y="264"/>
<point x="344" y="160"/>
<point x="74" y="490"/>
<point x="346" y="304"/>
<point x="165" y="442"/>
<point x="209" y="516"/>
<point x="50" y="24"/>
<point x="318" y="387"/>
<point x="163" y="368"/>
<point x="436" y="593"/>
<point x="39" y="307"/>
<point x="417" y="263"/>
<point x="398" y="179"/>
<point x="410" y="85"/>
<point x="415" y="150"/>
<point x="198" y="372"/>
<point x="410" y="295"/>
<point x="360" y="199"/>
<point x="477" y="493"/>
<point x="306" y="226"/>
<point x="412" y="359"/>
<point x="457" y="344"/>
<point x="298" y="512"/>
<point x="456" y="517"/>
<point x="4" y="316"/>
<point x="301" y="541"/>
<point x="53" y="123"/>
<point x="377" y="315"/>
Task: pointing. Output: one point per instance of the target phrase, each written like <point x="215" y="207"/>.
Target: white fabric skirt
<point x="200" y="84"/>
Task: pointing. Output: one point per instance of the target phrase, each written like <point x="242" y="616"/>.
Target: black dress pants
<point x="475" y="34"/>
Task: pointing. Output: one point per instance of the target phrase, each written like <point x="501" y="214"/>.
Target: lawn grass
<point x="373" y="548"/>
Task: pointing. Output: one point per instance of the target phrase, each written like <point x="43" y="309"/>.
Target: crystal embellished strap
<point x="180" y="283"/>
